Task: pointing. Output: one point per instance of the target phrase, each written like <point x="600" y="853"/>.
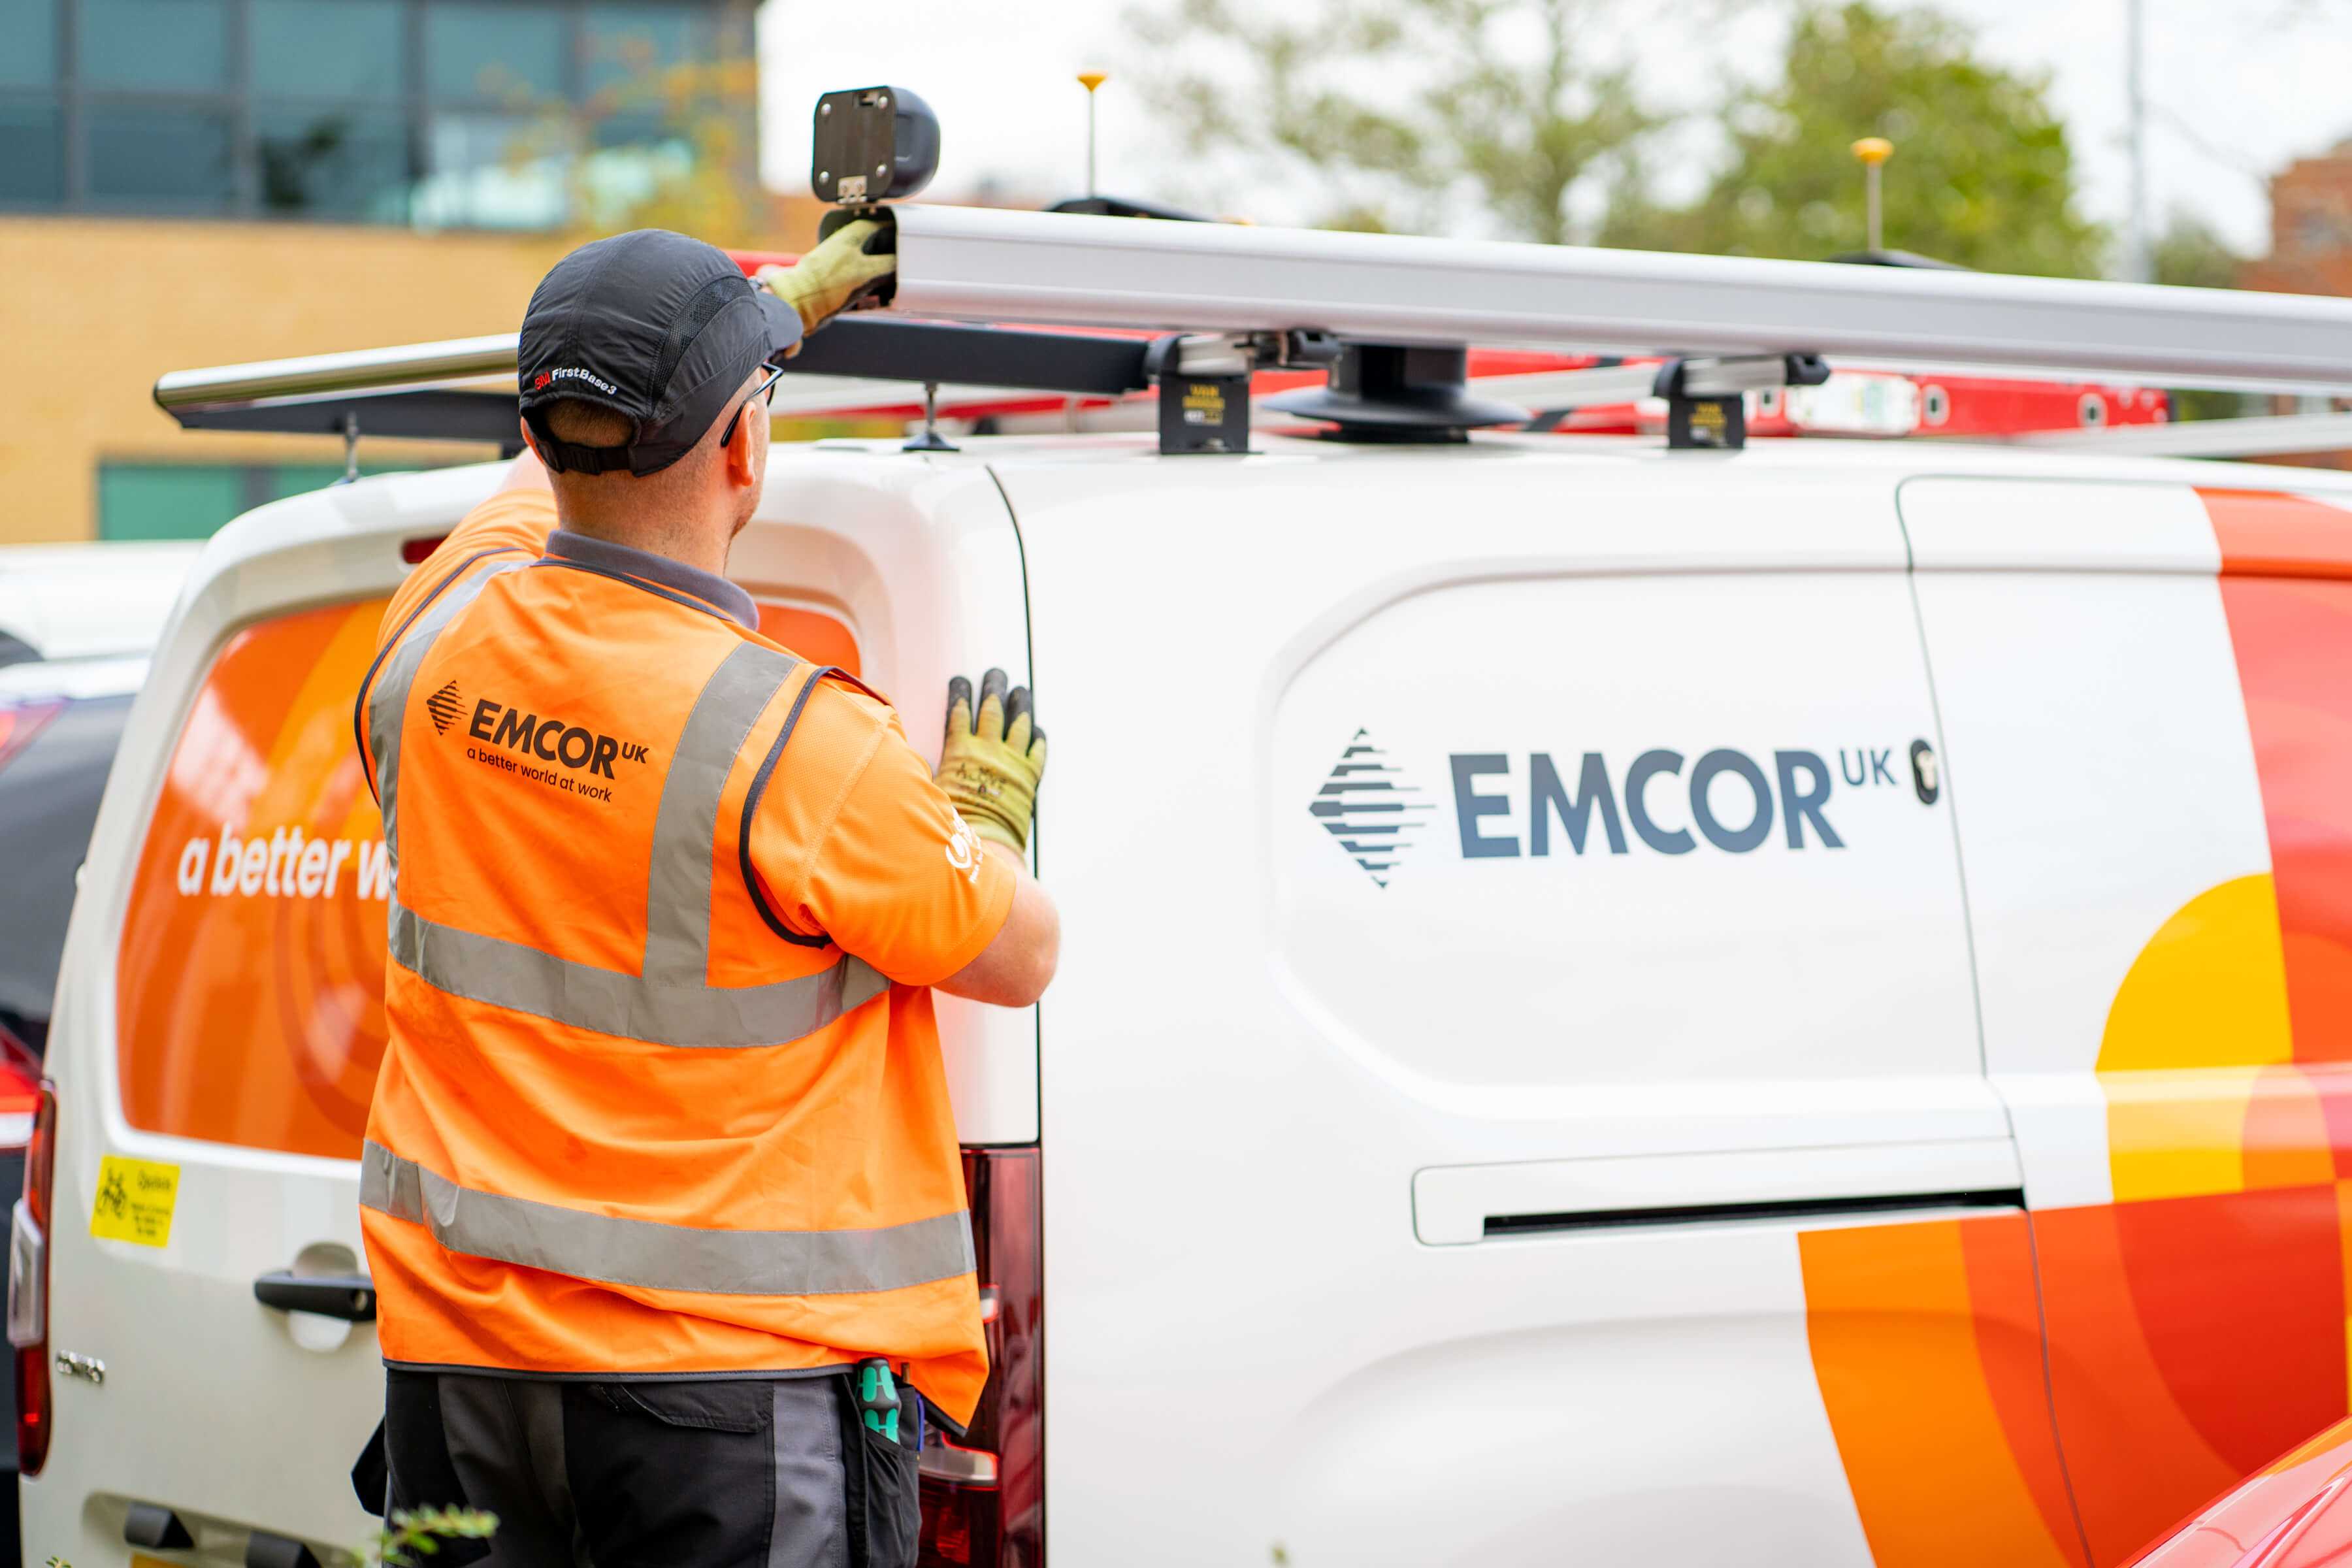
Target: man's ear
<point x="530" y="444"/>
<point x="742" y="471"/>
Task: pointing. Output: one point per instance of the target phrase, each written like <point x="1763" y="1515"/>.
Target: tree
<point x="2192" y="255"/>
<point x="665" y="138"/>
<point x="677" y="154"/>
<point x="1981" y="173"/>
<point x="1492" y="101"/>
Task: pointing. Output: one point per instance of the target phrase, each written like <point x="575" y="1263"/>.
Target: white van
<point x="87" y="601"/>
<point x="1788" y="1006"/>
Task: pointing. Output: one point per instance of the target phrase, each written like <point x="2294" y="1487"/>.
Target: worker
<point x="661" y="1188"/>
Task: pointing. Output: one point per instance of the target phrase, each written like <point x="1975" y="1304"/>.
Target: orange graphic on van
<point x="250" y="981"/>
<point x="1926" y="1342"/>
<point x="2201" y="1321"/>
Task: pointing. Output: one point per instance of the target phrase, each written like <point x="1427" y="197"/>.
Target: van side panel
<point x="1928" y="1342"/>
<point x="1328" y="1109"/>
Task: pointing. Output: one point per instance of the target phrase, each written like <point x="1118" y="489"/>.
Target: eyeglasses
<point x="764" y="394"/>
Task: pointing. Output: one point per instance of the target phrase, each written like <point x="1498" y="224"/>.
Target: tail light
<point x="984" y="1496"/>
<point x="20" y="721"/>
<point x="20" y="1090"/>
<point x="28" y="1287"/>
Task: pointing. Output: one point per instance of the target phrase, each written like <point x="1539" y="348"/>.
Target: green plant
<point x="422" y="1529"/>
<point x="411" y="1529"/>
<point x="1982" y="173"/>
<point x="1398" y="109"/>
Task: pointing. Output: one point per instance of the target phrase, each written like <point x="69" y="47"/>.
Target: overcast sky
<point x="2235" y="91"/>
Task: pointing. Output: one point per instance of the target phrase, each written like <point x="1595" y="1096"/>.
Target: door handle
<point x="351" y="1296"/>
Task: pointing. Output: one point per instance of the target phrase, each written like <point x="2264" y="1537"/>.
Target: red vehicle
<point x="2291" y="1513"/>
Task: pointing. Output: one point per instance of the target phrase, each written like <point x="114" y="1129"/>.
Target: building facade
<point x="2311" y="228"/>
<point x="188" y="182"/>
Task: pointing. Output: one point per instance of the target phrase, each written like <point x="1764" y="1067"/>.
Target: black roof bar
<point x="331" y="394"/>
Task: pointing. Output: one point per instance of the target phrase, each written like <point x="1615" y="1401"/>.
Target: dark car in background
<point x="77" y="623"/>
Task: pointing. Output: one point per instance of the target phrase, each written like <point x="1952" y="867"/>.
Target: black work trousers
<point x="729" y="1473"/>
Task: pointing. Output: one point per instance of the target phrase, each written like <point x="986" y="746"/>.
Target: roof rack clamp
<point x="1707" y="398"/>
<point x="1299" y="349"/>
<point x="1204" y="392"/>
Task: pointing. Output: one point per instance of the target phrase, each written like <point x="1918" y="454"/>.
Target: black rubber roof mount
<point x="152" y="1524"/>
<point x="1895" y="259"/>
<point x="1398" y="393"/>
<point x="1119" y="206"/>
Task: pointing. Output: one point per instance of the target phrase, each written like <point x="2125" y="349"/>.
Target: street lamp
<point x="1873" y="151"/>
<point x="1091" y="80"/>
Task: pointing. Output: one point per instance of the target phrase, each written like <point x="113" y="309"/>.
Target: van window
<point x="251" y="971"/>
<point x="250" y="978"/>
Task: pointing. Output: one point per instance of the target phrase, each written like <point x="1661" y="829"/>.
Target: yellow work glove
<point x="828" y="278"/>
<point x="992" y="759"/>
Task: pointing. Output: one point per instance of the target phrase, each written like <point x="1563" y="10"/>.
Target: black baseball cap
<point x="656" y="327"/>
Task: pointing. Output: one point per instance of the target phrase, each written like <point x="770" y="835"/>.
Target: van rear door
<point x="220" y="1020"/>
<point x="218" y="1025"/>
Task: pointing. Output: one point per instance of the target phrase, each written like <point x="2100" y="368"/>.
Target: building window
<point x="340" y="49"/>
<point x="503" y="54"/>
<point x="167" y="501"/>
<point x="196" y="501"/>
<point x="2317" y="230"/>
<point x="630" y="46"/>
<point x="32" y="152"/>
<point x="28" y="43"/>
<point x="474" y="113"/>
<point x="176" y="45"/>
<point x="332" y="161"/>
<point x="160" y="158"/>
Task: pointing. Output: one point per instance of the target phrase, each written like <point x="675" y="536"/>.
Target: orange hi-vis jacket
<point x="663" y="1094"/>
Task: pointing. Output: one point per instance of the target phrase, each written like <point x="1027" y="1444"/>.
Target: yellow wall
<point x="93" y="310"/>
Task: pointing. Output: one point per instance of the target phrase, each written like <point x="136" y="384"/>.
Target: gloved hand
<point x="830" y="277"/>
<point x="992" y="759"/>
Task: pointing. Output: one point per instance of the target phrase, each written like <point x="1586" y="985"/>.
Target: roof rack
<point x="1226" y="299"/>
<point x="987" y="264"/>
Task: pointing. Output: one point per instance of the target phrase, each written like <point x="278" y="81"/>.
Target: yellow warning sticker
<point x="135" y="1199"/>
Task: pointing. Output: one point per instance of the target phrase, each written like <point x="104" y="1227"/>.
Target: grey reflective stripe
<point x="388" y="698"/>
<point x="686" y="826"/>
<point x="652" y="1255"/>
<point x="677" y="1011"/>
<point x="669" y="1000"/>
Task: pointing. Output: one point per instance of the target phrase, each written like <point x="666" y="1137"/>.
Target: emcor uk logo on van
<point x="1367" y="803"/>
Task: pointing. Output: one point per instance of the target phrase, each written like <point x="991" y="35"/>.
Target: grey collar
<point x="659" y="569"/>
